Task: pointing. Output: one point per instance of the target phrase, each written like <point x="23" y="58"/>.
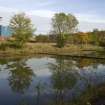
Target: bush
<point x="3" y="46"/>
<point x="42" y="38"/>
<point x="101" y="43"/>
<point x="15" y="44"/>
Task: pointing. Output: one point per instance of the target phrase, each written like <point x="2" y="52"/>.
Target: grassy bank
<point x="51" y="49"/>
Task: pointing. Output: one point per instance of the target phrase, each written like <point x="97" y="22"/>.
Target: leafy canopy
<point x="22" y="27"/>
<point x="62" y="25"/>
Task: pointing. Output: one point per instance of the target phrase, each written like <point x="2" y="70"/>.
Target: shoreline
<point x="49" y="49"/>
<point x="23" y="54"/>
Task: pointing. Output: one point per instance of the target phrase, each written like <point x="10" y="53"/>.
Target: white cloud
<point x="42" y="19"/>
<point x="87" y="26"/>
<point x="41" y="13"/>
<point x="42" y="3"/>
<point x="90" y="18"/>
<point x="9" y="10"/>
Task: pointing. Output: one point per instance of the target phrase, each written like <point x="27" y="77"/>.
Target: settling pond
<point x="52" y="80"/>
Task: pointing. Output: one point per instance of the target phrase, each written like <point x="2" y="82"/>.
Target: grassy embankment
<point x="51" y="49"/>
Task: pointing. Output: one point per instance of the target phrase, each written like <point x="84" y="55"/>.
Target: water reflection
<point x="52" y="81"/>
<point x="86" y="62"/>
<point x="63" y="78"/>
<point x="91" y="96"/>
<point x="20" y="76"/>
<point x="23" y="102"/>
<point x="39" y="89"/>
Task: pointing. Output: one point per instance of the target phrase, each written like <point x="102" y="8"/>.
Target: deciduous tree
<point x="63" y="24"/>
<point x="22" y="28"/>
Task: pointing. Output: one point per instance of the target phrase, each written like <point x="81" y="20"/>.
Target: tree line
<point x="83" y="38"/>
<point x="64" y="31"/>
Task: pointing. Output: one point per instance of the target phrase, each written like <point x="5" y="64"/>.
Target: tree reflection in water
<point x="56" y="89"/>
<point x="39" y="89"/>
<point x="23" y="102"/>
<point x="86" y="62"/>
<point x="20" y="76"/>
<point x="63" y="78"/>
<point x="91" y="96"/>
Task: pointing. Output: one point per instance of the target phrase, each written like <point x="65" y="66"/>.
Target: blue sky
<point x="90" y="13"/>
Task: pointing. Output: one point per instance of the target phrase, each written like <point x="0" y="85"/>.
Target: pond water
<point x="52" y="80"/>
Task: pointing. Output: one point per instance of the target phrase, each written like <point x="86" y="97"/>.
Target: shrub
<point x="3" y="46"/>
<point x="42" y="38"/>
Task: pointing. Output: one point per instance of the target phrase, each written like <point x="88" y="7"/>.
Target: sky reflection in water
<point x="52" y="81"/>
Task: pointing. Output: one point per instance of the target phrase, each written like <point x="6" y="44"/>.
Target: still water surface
<point x="43" y="80"/>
